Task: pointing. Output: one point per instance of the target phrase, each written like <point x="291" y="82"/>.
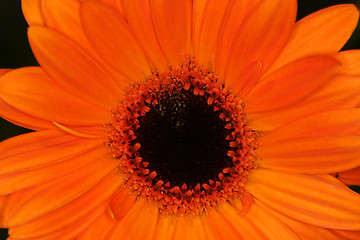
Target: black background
<point x="15" y="51"/>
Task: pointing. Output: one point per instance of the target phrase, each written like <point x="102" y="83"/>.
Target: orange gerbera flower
<point x="184" y="119"/>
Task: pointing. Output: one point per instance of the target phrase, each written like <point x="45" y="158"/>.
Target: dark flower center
<point x="184" y="140"/>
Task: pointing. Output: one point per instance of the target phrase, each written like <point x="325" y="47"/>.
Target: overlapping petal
<point x="189" y="228"/>
<point x="32" y="12"/>
<point x="237" y="12"/>
<point x="173" y="23"/>
<point x="64" y="17"/>
<point x="322" y="143"/>
<point x="341" y="92"/>
<point x="121" y="203"/>
<point x="69" y="232"/>
<point x="307" y="198"/>
<point x="144" y="216"/>
<point x="219" y="227"/>
<point x="46" y="198"/>
<point x="260" y="38"/>
<point x="40" y="149"/>
<point x="165" y="227"/>
<point x="315" y="34"/>
<point x="303" y="230"/>
<point x="112" y="39"/>
<point x="139" y="17"/>
<point x="99" y="228"/>
<point x="291" y="83"/>
<point x="75" y="211"/>
<point x="209" y="18"/>
<point x="16" y="181"/>
<point x="258" y="223"/>
<point x="31" y="91"/>
<point x="350" y="177"/>
<point x="71" y="66"/>
<point x="350" y="62"/>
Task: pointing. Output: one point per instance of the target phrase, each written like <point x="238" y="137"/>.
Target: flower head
<point x="184" y="119"/>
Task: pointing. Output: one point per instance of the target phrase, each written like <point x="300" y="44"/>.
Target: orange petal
<point x="138" y="15"/>
<point x="219" y="226"/>
<point x="353" y="235"/>
<point x="121" y="203"/>
<point x="165" y="227"/>
<point x="72" y="212"/>
<point x="69" y="232"/>
<point x="306" y="198"/>
<point x="330" y="179"/>
<point x="4" y="70"/>
<point x="208" y="21"/>
<point x="333" y="148"/>
<point x="249" y="78"/>
<point x="314" y="34"/>
<point x="350" y="62"/>
<point x="72" y="67"/>
<point x="173" y="20"/>
<point x="342" y="121"/>
<point x="32" y="12"/>
<point x="303" y="230"/>
<point x="350" y="177"/>
<point x="189" y="228"/>
<point x="22" y="119"/>
<point x="21" y="180"/>
<point x="341" y="92"/>
<point x="269" y="225"/>
<point x="64" y="16"/>
<point x="237" y="12"/>
<point x="30" y="90"/>
<point x="46" y="199"/>
<point x="261" y="37"/>
<point x="115" y="4"/>
<point x="140" y="223"/>
<point x="291" y="83"/>
<point x="312" y="154"/>
<point x="239" y="221"/>
<point x="40" y="149"/>
<point x="99" y="228"/>
<point x="112" y="39"/>
<point x="3" y="200"/>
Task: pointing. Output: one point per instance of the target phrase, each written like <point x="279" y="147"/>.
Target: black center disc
<point x="183" y="139"/>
